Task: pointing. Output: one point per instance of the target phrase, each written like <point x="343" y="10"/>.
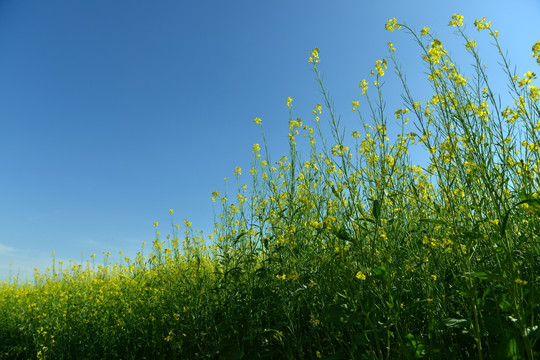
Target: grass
<point x="355" y="252"/>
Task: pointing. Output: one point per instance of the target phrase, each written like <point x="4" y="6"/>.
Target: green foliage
<point x="353" y="253"/>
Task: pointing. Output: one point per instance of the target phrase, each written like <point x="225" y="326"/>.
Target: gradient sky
<point x="113" y="112"/>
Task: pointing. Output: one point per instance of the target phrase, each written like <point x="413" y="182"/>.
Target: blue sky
<point x="113" y="112"/>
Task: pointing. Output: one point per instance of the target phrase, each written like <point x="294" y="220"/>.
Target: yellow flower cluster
<point x="380" y="66"/>
<point x="457" y="20"/>
<point x="360" y="275"/>
<point x="482" y="24"/>
<point x="392" y="24"/>
<point x="435" y="52"/>
<point x="527" y="79"/>
<point x="470" y="44"/>
<point x="536" y="51"/>
<point x="314" y="56"/>
<point x="364" y="86"/>
<point x="289" y="101"/>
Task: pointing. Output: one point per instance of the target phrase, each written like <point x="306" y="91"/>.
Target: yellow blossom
<point x="536" y="51"/>
<point x="482" y="24"/>
<point x="457" y="20"/>
<point x="360" y="275"/>
<point x="392" y="24"/>
<point x="364" y="86"/>
<point x="380" y="65"/>
<point x="289" y="101"/>
<point x="470" y="44"/>
<point x="314" y="56"/>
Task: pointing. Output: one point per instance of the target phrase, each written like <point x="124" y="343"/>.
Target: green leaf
<point x="512" y="349"/>
<point x="341" y="233"/>
<point x="380" y="271"/>
<point x="433" y="221"/>
<point x="455" y="323"/>
<point x="416" y="346"/>
<point x="334" y="191"/>
<point x="525" y="199"/>
<point x="376" y="210"/>
<point x="482" y="275"/>
<point x="534" y="202"/>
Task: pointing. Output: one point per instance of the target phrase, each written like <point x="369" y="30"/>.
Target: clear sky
<point x="113" y="112"/>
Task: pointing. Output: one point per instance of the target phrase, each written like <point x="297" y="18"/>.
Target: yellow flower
<point x="314" y="56"/>
<point x="256" y="148"/>
<point x="399" y="113"/>
<point x="257" y="120"/>
<point x="536" y="51"/>
<point x="237" y="170"/>
<point x="355" y="105"/>
<point x="482" y="24"/>
<point x="360" y="275"/>
<point x="392" y="24"/>
<point x="424" y="31"/>
<point x="457" y="20"/>
<point x="156" y="223"/>
<point x="289" y="101"/>
<point x="380" y="65"/>
<point x="391" y="47"/>
<point x="364" y="86"/>
<point x="171" y="211"/>
<point x="470" y="44"/>
<point x="435" y="52"/>
<point x="294" y="276"/>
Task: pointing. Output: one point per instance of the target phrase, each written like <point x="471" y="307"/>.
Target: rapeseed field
<point x="352" y="252"/>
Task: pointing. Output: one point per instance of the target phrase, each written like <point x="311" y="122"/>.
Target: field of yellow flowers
<point x="354" y="252"/>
